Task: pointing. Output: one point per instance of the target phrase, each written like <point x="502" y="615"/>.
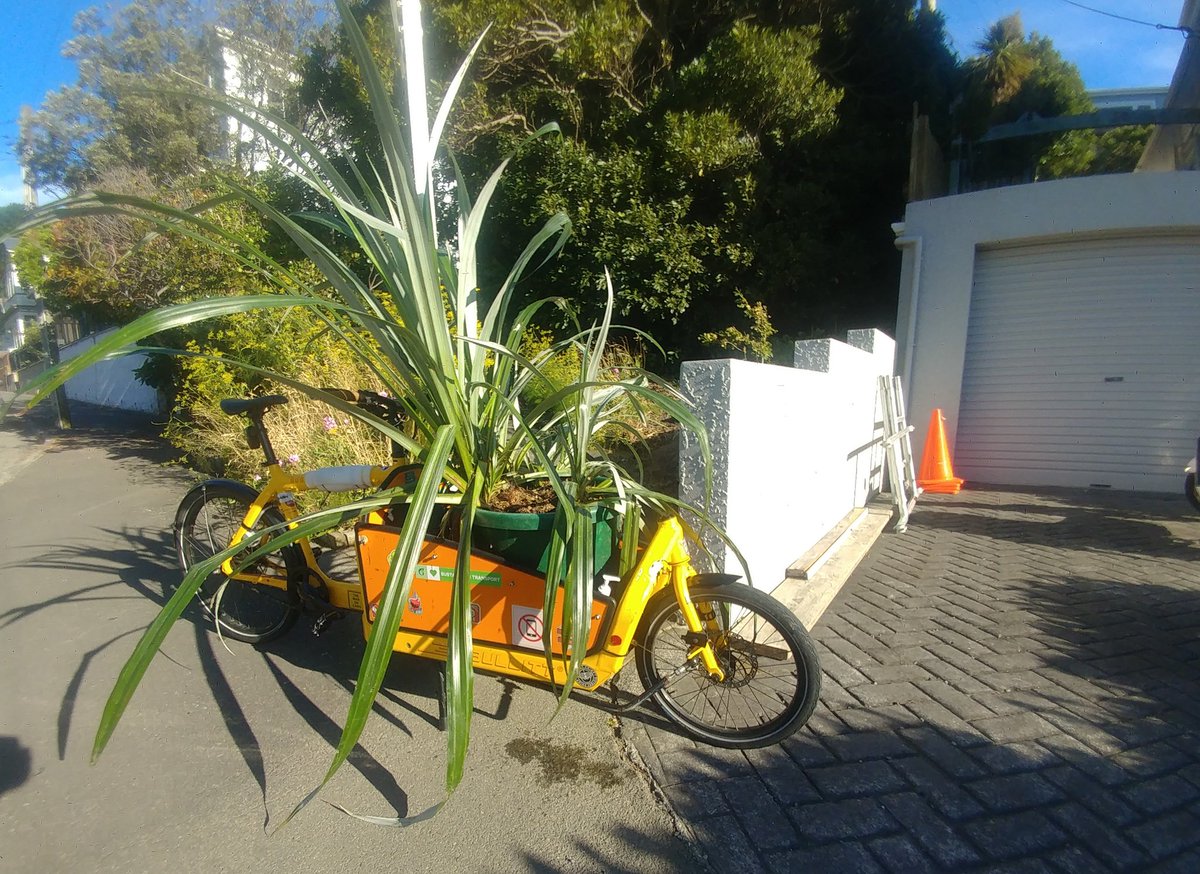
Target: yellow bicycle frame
<point x="665" y="561"/>
<point x="280" y="490"/>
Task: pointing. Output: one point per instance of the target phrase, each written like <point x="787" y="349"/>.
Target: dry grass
<point x="305" y="433"/>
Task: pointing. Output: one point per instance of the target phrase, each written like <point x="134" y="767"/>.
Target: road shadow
<point x="1132" y="648"/>
<point x="988" y="704"/>
<point x="143" y="566"/>
<point x="122" y="435"/>
<point x="144" y="569"/>
<point x="636" y="849"/>
<point x="1013" y="684"/>
<point x="863" y="790"/>
<point x="16" y="763"/>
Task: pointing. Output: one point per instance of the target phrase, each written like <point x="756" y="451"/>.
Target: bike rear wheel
<point x="772" y="675"/>
<point x="205" y="523"/>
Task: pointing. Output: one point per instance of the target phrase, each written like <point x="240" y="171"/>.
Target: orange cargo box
<point x="506" y="603"/>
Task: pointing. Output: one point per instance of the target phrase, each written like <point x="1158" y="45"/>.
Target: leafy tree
<point x="132" y="126"/>
<point x="1004" y="62"/>
<point x="111" y="268"/>
<point x="707" y="149"/>
<point x="32" y="348"/>
<point x="752" y="343"/>
<point x="1041" y="84"/>
<point x="11" y="215"/>
<point x="105" y="120"/>
<point x="1118" y="150"/>
<point x="1017" y="76"/>
<point x="828" y="255"/>
<point x="110" y="120"/>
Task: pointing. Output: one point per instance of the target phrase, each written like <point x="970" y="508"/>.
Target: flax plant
<point x="447" y="351"/>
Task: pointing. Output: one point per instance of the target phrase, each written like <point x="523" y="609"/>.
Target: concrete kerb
<point x="809" y="598"/>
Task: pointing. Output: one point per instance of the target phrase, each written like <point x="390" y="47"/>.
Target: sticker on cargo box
<point x="446" y="575"/>
<point x="527" y="627"/>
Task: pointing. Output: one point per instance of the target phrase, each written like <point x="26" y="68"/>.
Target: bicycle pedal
<point x="322" y="622"/>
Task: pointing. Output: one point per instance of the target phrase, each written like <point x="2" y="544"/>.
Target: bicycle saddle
<point x="254" y="406"/>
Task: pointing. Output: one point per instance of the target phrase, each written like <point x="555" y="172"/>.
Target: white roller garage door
<point x="1082" y="364"/>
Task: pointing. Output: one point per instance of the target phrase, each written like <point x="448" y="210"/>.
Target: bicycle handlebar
<point x="381" y="405"/>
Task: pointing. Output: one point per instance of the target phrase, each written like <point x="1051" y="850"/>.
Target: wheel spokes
<point x="752" y="694"/>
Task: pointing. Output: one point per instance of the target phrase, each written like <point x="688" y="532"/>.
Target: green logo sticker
<point x="446" y="575"/>
<point x="485" y="578"/>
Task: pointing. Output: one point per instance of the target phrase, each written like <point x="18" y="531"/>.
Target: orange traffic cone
<point x="937" y="475"/>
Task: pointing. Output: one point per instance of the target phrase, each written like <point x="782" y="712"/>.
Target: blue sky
<point x="1108" y="52"/>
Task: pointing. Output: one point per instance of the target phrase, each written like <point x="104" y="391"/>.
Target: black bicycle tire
<point x="797" y="709"/>
<point x="236" y="592"/>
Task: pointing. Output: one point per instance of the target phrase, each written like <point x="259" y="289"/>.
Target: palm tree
<point x="1004" y="60"/>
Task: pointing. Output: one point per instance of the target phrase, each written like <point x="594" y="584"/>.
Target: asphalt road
<point x="218" y="745"/>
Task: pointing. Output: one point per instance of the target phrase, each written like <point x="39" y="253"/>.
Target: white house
<point x="1054" y="323"/>
<point x="1129" y="98"/>
<point x="20" y="307"/>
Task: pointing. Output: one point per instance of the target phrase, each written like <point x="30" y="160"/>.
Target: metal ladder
<point x="898" y="465"/>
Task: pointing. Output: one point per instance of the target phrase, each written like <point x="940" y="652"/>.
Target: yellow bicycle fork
<point x="691" y="616"/>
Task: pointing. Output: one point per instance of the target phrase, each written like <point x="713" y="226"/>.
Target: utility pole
<point x="50" y="342"/>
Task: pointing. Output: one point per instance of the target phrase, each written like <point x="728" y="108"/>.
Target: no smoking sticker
<point x="527" y="627"/>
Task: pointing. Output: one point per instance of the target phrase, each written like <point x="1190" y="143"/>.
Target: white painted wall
<point x="110" y="383"/>
<point x="939" y="240"/>
<point x="791" y="447"/>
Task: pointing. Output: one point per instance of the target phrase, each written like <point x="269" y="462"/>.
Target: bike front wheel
<point x="772" y="675"/>
<point x="205" y="523"/>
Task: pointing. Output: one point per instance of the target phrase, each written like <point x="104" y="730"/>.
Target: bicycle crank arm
<point x="322" y="622"/>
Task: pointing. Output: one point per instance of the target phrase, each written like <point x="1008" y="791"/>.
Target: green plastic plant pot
<point x="523" y="539"/>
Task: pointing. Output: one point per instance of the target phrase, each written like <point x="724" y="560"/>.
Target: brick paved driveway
<point x="1013" y="684"/>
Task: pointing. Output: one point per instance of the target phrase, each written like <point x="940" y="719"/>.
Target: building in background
<point x="246" y="69"/>
<point x="1177" y="146"/>
<point x="20" y="307"/>
<point x="1052" y="323"/>
<point x="1130" y="98"/>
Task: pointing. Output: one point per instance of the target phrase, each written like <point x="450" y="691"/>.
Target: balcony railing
<point x="19" y="299"/>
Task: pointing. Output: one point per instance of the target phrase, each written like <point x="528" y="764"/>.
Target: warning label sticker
<point x="527" y="627"/>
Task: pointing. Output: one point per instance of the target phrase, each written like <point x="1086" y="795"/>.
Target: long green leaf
<point x="577" y="610"/>
<point x="460" y="674"/>
<point x="472" y="224"/>
<point x="560" y="537"/>
<point x="391" y="607"/>
<point x="443" y="113"/>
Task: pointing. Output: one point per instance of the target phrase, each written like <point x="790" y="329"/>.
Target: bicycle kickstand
<point x="653" y="690"/>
